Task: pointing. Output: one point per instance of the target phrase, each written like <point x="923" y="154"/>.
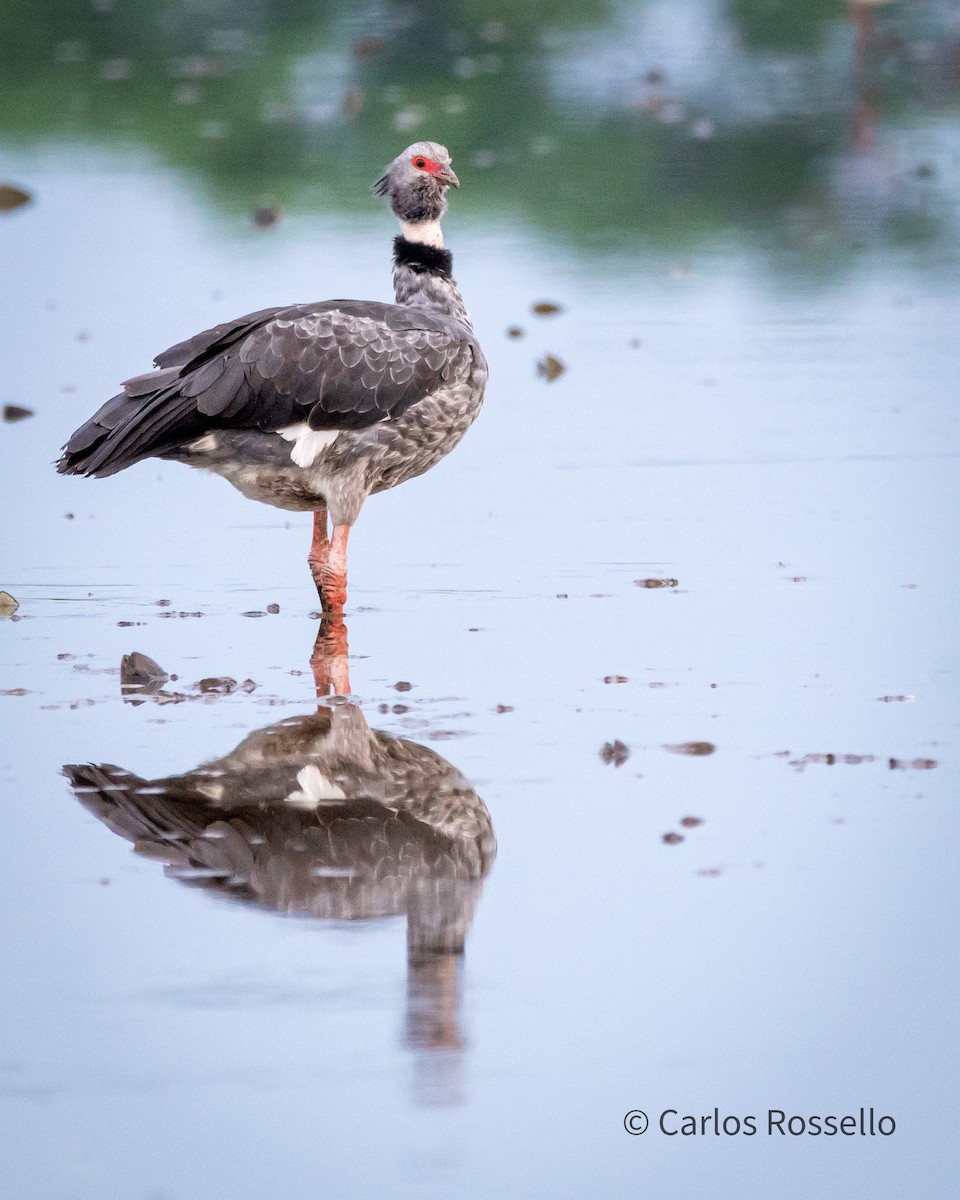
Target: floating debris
<point x="894" y="699"/>
<point x="691" y="822"/>
<point x="503" y="708"/>
<point x="550" y="367"/>
<point x="614" y="752"/>
<point x="615" y="679"/>
<point x="265" y="217"/>
<point x="369" y="46"/>
<point x="12" y="197"/>
<point x="546" y="308"/>
<point x="254" y="612"/>
<point x="14" y="692"/>
<point x="352" y="103"/>
<point x="403" y="686"/>
<point x="15" y="412"/>
<point x="8" y="605"/>
<point x="672" y="839"/>
<point x="694" y="749"/>
<point x="656" y="583"/>
<point x="831" y="760"/>
<point x="138" y="672"/>
<point x="273" y="609"/>
<point x="915" y="764"/>
<point x="515" y="331"/>
<point x="219" y="685"/>
<point x="710" y="872"/>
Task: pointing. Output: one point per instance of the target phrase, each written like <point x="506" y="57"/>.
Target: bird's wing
<point x="343" y="364"/>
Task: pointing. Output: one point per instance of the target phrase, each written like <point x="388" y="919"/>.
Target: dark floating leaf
<point x="515" y="331"/>
<point x="657" y="583"/>
<point x="550" y="367"/>
<point x="913" y="764"/>
<point x="893" y="699"/>
<point x="614" y="752"/>
<point x="695" y="749"/>
<point x="691" y="822"/>
<point x="140" y="673"/>
<point x="14" y="412"/>
<point x="403" y="686"/>
<point x="615" y="679"/>
<point x="503" y="708"/>
<point x="273" y="609"/>
<point x="672" y="839"/>
<point x="264" y="217"/>
<point x="546" y="308"/>
<point x="12" y="197"/>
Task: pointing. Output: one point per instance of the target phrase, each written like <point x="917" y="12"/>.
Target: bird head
<point x="416" y="181"/>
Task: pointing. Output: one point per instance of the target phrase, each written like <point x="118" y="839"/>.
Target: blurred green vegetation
<point x="298" y="104"/>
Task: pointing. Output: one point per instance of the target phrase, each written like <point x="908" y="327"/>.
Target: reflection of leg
<point x="433" y="1001"/>
<point x="319" y="547"/>
<point x="333" y="574"/>
<point x="329" y="660"/>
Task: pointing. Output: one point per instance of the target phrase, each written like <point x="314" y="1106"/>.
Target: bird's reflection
<point x="323" y="816"/>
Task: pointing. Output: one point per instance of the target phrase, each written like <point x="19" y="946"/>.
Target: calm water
<point x="749" y="220"/>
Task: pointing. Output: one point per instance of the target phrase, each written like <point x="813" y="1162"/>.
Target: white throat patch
<point x="427" y="233"/>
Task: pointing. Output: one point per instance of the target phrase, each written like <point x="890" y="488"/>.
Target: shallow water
<point x="759" y="409"/>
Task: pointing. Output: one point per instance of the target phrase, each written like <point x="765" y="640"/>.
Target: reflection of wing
<point x="319" y="815"/>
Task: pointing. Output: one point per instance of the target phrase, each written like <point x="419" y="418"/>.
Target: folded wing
<point x="343" y="364"/>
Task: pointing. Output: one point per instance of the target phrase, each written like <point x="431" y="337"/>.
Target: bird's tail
<point x="130" y="426"/>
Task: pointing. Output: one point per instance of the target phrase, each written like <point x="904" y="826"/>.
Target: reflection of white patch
<point x="427" y="233"/>
<point x="204" y="445"/>
<point x="315" y="789"/>
<point x="308" y="444"/>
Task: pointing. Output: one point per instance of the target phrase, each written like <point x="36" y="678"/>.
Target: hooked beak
<point x="447" y="177"/>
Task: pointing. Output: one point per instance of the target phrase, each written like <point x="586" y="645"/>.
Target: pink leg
<point x="331" y="671"/>
<point x="319" y="547"/>
<point x="332" y="582"/>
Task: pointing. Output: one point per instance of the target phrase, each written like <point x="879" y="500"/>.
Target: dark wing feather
<point x="343" y="364"/>
<point x="194" y="351"/>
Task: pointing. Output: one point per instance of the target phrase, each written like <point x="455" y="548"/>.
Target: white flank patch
<point x="315" y="789"/>
<point x="204" y="445"/>
<point x="308" y="444"/>
<point x="427" y="233"/>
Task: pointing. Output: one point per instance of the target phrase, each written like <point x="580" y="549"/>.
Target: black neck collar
<point x="419" y="257"/>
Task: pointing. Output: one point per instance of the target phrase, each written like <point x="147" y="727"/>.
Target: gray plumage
<point x="369" y="394"/>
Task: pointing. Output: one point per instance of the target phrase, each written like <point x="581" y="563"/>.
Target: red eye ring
<point x="420" y="162"/>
